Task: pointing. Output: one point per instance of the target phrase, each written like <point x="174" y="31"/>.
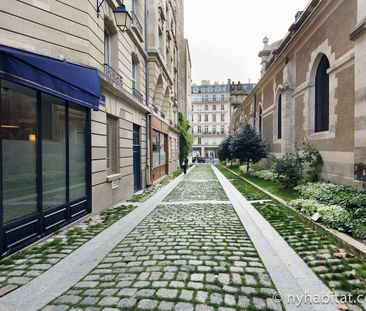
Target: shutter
<point x="112" y="145"/>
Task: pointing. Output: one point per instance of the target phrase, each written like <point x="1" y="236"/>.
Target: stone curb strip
<point x="290" y="274"/>
<point x="58" y="279"/>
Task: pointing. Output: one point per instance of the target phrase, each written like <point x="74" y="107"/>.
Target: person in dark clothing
<point x="185" y="165"/>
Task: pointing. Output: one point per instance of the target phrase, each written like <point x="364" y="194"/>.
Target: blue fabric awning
<point x="75" y="83"/>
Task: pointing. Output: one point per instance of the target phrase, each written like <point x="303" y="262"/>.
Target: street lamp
<point x="121" y="15"/>
<point x="175" y="111"/>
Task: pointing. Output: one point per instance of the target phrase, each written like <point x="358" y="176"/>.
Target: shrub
<point x="289" y="169"/>
<point x="252" y="168"/>
<point x="332" y="194"/>
<point x="308" y="207"/>
<point x="265" y="174"/>
<point x="335" y="217"/>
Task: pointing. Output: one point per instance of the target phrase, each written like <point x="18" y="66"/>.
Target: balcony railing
<point x="113" y="75"/>
<point x="138" y="95"/>
<point x="137" y="23"/>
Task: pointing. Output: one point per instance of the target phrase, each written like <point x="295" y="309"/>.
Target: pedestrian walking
<point x="185" y="165"/>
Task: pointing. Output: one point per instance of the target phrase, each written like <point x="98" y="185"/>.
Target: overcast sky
<point x="225" y="36"/>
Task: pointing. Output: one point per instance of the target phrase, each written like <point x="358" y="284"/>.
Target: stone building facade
<point x="313" y="89"/>
<point x="92" y="108"/>
<point x="210" y="117"/>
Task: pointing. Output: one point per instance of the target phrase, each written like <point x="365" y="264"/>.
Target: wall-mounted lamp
<point x="121" y="15"/>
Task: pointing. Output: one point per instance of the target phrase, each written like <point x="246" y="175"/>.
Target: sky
<point x="225" y="36"/>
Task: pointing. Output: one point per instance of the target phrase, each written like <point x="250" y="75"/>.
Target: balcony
<point x="137" y="25"/>
<point x="138" y="95"/>
<point x="209" y="133"/>
<point x="113" y="75"/>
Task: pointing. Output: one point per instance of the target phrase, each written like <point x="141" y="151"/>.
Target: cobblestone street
<point x="193" y="256"/>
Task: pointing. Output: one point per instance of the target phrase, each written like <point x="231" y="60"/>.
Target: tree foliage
<point x="185" y="137"/>
<point x="224" y="150"/>
<point x="247" y="145"/>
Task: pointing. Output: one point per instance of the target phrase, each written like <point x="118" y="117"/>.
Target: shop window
<point x="322" y="96"/>
<point x="19" y="150"/>
<point x="53" y="151"/>
<point x="77" y="146"/>
<point x="112" y="145"/>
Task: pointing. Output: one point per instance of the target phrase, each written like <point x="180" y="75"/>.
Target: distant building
<point x="238" y="93"/>
<point x="210" y="116"/>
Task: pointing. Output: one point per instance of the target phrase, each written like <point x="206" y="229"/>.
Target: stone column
<point x="359" y="38"/>
<point x="288" y="107"/>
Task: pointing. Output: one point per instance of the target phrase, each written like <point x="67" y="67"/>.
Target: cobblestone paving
<point x="181" y="257"/>
<point x="340" y="270"/>
<point x="200" y="184"/>
<point x="24" y="266"/>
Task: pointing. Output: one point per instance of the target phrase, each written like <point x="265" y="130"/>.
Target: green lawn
<point x="274" y="187"/>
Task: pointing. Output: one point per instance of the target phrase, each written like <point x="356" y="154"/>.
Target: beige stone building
<point x="88" y="112"/>
<point x="313" y="89"/>
<point x="210" y="117"/>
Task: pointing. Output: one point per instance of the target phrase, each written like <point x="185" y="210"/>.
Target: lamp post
<point x="121" y="15"/>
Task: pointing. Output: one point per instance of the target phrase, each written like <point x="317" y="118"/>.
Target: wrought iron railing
<point x="137" y="23"/>
<point x="138" y="95"/>
<point x="113" y="75"/>
<point x="162" y="114"/>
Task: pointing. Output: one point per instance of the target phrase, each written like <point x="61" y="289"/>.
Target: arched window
<point x="279" y="117"/>
<point x="322" y="96"/>
<point x="260" y="119"/>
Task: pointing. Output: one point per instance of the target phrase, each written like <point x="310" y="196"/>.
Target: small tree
<point x="247" y="145"/>
<point x="185" y="138"/>
<point x="289" y="169"/>
<point x="224" y="150"/>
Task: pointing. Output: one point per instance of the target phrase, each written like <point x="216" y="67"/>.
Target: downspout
<point x="148" y="114"/>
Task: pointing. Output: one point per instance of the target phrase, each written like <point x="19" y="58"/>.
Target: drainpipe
<point x="148" y="114"/>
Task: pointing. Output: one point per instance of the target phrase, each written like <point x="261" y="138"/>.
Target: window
<point x="53" y="151"/>
<point x="214" y="98"/>
<point x="206" y="98"/>
<point x="199" y="118"/>
<point x="19" y="153"/>
<point x="134" y="74"/>
<point x="107" y="47"/>
<point x="213" y="107"/>
<point x="199" y="129"/>
<point x="199" y="140"/>
<point x="222" y="117"/>
<point x="112" y="145"/>
<point x="159" y="153"/>
<point x="222" y="98"/>
<point x="206" y="129"/>
<point x="222" y="107"/>
<point x="214" y="130"/>
<point x="213" y="118"/>
<point x="279" y="117"/>
<point x="222" y="129"/>
<point x="322" y="96"/>
<point x="206" y="107"/>
<point x="206" y="117"/>
<point x="260" y="119"/>
<point x="203" y="98"/>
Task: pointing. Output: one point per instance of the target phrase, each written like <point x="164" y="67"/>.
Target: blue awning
<point x="74" y="83"/>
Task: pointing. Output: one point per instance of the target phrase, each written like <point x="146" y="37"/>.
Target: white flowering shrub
<point x="308" y="207"/>
<point x="335" y="217"/>
<point x="331" y="194"/>
<point x="265" y="174"/>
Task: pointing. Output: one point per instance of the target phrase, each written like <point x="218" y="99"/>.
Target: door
<point x="136" y="158"/>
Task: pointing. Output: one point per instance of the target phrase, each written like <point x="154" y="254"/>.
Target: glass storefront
<point x="45" y="152"/>
<point x="19" y="141"/>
